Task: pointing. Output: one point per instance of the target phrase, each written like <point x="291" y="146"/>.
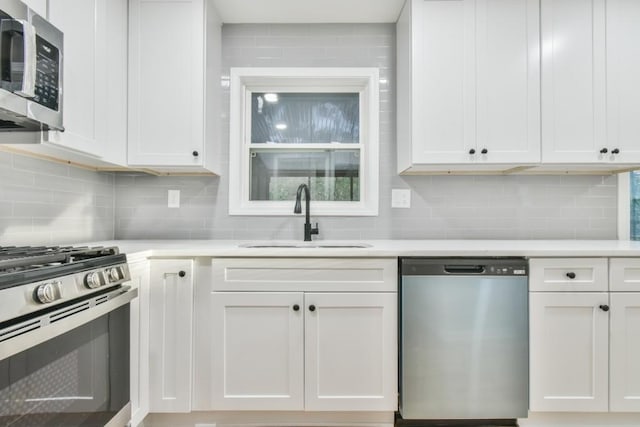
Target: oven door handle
<point x="47" y="329"/>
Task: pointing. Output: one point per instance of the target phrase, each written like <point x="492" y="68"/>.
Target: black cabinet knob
<point x="571" y="275"/>
<point x="182" y="273"/>
<point x="312" y="307"/>
<point x="484" y="151"/>
<point x="604" y="151"/>
<point x="615" y="151"/>
<point x="604" y="307"/>
<point x="296" y="307"/>
<point x="195" y="154"/>
<point x="472" y="151"/>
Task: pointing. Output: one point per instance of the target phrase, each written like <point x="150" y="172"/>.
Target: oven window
<point x="80" y="378"/>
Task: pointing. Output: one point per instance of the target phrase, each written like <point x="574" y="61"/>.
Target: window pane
<point x="635" y="205"/>
<point x="303" y="118"/>
<point x="330" y="174"/>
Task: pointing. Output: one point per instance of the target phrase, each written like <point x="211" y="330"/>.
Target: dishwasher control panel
<point x="464" y="266"/>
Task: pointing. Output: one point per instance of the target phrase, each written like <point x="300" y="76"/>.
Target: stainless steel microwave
<point x="31" y="53"/>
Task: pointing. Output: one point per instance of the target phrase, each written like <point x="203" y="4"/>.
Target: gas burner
<point x="53" y="275"/>
<point x="25" y="264"/>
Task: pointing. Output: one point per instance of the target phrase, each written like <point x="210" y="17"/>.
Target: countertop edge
<point x="138" y="250"/>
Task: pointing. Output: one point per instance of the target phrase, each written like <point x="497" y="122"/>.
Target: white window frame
<point x="244" y="81"/>
<point x="624" y="206"/>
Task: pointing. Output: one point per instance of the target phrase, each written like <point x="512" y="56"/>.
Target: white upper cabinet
<point x="94" y="79"/>
<point x="623" y="85"/>
<point x="167" y="84"/>
<point x="590" y="89"/>
<point x="111" y="107"/>
<point x="77" y="20"/>
<point x="468" y="84"/>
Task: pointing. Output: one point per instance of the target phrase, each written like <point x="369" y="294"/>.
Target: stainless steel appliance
<point x="31" y="53"/>
<point x="464" y="339"/>
<point x="64" y="336"/>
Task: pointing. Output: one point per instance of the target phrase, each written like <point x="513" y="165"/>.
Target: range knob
<point x="92" y="280"/>
<point x="46" y="293"/>
<point x="114" y="274"/>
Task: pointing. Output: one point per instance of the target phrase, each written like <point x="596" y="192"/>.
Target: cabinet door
<point x="257" y="341"/>
<point x="476" y="81"/>
<point x="166" y="82"/>
<point x="171" y="308"/>
<point x="623" y="86"/>
<point x="111" y="81"/>
<point x="443" y="96"/>
<point x="77" y="20"/>
<point x="508" y="81"/>
<point x="569" y="352"/>
<point x="139" y="342"/>
<point x="350" y="352"/>
<point x="573" y="81"/>
<point x="624" y="381"/>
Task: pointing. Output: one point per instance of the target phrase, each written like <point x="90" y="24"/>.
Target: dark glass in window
<point x="332" y="175"/>
<point x="305" y="118"/>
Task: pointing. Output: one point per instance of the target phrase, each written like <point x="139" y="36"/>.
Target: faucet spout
<point x="308" y="229"/>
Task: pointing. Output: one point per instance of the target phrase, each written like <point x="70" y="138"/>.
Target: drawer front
<point x="568" y="274"/>
<point x="305" y="274"/>
<point x="624" y="274"/>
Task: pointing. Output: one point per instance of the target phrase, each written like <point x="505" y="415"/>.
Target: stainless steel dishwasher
<point x="464" y="339"/>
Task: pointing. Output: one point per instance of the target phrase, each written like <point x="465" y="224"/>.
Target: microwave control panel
<point x="47" y="89"/>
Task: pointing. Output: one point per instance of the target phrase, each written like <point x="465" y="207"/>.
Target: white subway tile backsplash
<point x="47" y="203"/>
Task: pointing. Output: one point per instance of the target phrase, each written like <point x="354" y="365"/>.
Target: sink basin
<point x="335" y="245"/>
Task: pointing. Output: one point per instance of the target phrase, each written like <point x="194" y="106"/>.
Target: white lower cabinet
<point x="170" y="335"/>
<point x="569" y="351"/>
<point x="624" y="340"/>
<point x="257" y="351"/>
<point x="139" y="315"/>
<point x="350" y="348"/>
<point x="585" y="346"/>
<point x="300" y="349"/>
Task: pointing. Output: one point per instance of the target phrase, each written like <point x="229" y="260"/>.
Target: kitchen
<point x="49" y="203"/>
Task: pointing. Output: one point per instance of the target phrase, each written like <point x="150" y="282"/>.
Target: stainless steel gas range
<point x="64" y="336"/>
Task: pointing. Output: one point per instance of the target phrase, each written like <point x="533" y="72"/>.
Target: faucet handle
<point x="315" y="230"/>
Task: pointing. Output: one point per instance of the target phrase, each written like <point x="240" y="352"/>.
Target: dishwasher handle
<point x="464" y="269"/>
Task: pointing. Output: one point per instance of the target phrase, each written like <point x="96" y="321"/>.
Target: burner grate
<point x="27" y="258"/>
<point x="22" y="264"/>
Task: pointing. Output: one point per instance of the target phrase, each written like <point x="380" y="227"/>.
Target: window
<point x="317" y="126"/>
<point x="635" y="205"/>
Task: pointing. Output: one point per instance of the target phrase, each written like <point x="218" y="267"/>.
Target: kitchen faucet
<point x="308" y="230"/>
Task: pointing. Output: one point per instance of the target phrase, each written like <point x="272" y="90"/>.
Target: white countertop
<point x="136" y="249"/>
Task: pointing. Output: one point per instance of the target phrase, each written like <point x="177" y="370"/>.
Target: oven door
<point x="77" y="374"/>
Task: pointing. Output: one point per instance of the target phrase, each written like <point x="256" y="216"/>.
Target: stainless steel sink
<point x="325" y="245"/>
